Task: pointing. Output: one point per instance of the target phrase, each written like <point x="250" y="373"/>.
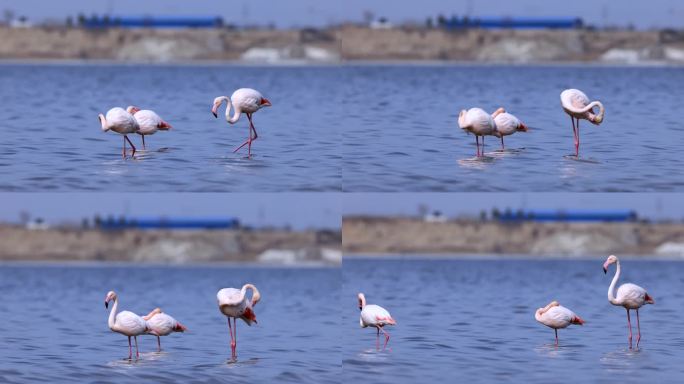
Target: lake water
<point x="401" y="131"/>
<point x="54" y="325"/>
<point x="473" y="321"/>
<point x="52" y="141"/>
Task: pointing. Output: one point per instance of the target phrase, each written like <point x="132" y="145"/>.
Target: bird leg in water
<point x="502" y="144"/>
<point x="158" y="341"/>
<point x="130" y="348"/>
<point x="143" y="137"/>
<point x="577" y="140"/>
<point x="477" y="145"/>
<point x="629" y="324"/>
<point x="232" y="340"/>
<point x="638" y="329"/>
<point x="132" y="146"/>
<point x="235" y="338"/>
<point x="387" y="337"/>
<point x="555" y="330"/>
<point x="137" y="354"/>
<point x="377" y="340"/>
<point x="250" y="139"/>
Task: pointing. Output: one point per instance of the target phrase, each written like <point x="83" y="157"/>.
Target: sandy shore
<point x="400" y="236"/>
<point x="174" y="247"/>
<point x="343" y="44"/>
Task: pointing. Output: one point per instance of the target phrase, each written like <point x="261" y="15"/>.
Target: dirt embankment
<point x="159" y="246"/>
<point x="346" y="43"/>
<point x="379" y="235"/>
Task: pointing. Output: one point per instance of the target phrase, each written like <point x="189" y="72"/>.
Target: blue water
<point x="473" y="321"/>
<point x="54" y="325"/>
<point x="52" y="141"/>
<point x="401" y="131"/>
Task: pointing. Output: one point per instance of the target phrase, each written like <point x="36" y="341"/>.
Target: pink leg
<point x="137" y="354"/>
<point x="577" y="140"/>
<point x="232" y="339"/>
<point x="235" y="338"/>
<point x="477" y="145"/>
<point x="629" y="324"/>
<point x="123" y="152"/>
<point x="132" y="146"/>
<point x="130" y="348"/>
<point x="377" y="339"/>
<point x="638" y="329"/>
<point x="387" y="337"/>
<point x="158" y="344"/>
<point x="483" y="153"/>
<point x="555" y="330"/>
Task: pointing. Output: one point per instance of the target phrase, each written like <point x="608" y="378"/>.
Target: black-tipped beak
<point x="605" y="270"/>
<point x="106" y="304"/>
<point x="215" y="115"/>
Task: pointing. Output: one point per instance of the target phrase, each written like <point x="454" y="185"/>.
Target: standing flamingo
<point x="557" y="317"/>
<point x="477" y="122"/>
<point x="161" y="324"/>
<point x="148" y="121"/>
<point x="126" y="323"/>
<point x="506" y="124"/>
<point x="244" y="100"/>
<point x="233" y="303"/>
<point x="576" y="104"/>
<point x="629" y="296"/>
<point x="375" y="316"/>
<point x="122" y="122"/>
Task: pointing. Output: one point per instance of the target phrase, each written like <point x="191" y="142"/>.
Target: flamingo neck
<point x="611" y="289"/>
<point x="236" y="111"/>
<point x="255" y="293"/>
<point x="103" y="122"/>
<point x="112" y="314"/>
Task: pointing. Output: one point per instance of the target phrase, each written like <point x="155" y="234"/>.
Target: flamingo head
<point x="111" y="295"/>
<point x="610" y="260"/>
<point x="132" y="109"/>
<point x="249" y="316"/>
<point x="217" y="104"/>
<point x="522" y="128"/>
<point x="164" y="126"/>
<point x="264" y="102"/>
<point x="180" y="327"/>
<point x="362" y="301"/>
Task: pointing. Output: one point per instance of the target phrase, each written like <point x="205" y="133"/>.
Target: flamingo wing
<point x="148" y="121"/>
<point x="162" y="324"/>
<point x="558" y="317"/>
<point x="631" y="294"/>
<point x="375" y="315"/>
<point x="506" y="123"/>
<point x="129" y="323"/>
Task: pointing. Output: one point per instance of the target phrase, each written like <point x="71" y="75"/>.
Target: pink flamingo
<point x="506" y="124"/>
<point x="576" y="104"/>
<point x="148" y="121"/>
<point x="244" y="100"/>
<point x="375" y="316"/>
<point x="557" y="317"/>
<point x="126" y="323"/>
<point x="122" y="122"/>
<point x="629" y="296"/>
<point x="477" y="122"/>
<point x="161" y="324"/>
<point x="233" y="303"/>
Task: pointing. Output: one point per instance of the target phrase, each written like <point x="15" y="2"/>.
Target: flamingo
<point x="629" y="296"/>
<point x="125" y="322"/>
<point x="161" y="324"/>
<point x="122" y="122"/>
<point x="557" y="317"/>
<point x="576" y="104"/>
<point x="244" y="100"/>
<point x="233" y="303"/>
<point x="375" y="316"/>
<point x="506" y="124"/>
<point x="148" y="121"/>
<point x="477" y="122"/>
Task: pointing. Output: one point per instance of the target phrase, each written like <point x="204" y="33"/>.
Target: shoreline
<point x="498" y="257"/>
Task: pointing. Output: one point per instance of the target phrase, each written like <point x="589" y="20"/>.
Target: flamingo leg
<point x="123" y="152"/>
<point x="629" y="324"/>
<point x="377" y="339"/>
<point x="143" y="137"/>
<point x="387" y="337"/>
<point x="555" y="330"/>
<point x="477" y="145"/>
<point x="137" y="354"/>
<point x="251" y="128"/>
<point x="158" y="341"/>
<point x="130" y="348"/>
<point x="235" y="337"/>
<point x="577" y="140"/>
<point x="232" y="339"/>
<point x="638" y="329"/>
<point x="129" y="142"/>
<point x="483" y="153"/>
<point x="502" y="143"/>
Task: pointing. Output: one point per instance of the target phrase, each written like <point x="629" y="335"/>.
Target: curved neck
<point x="255" y="293"/>
<point x="541" y="311"/>
<point x="462" y="119"/>
<point x="611" y="289"/>
<point x="236" y="112"/>
<point x="103" y="122"/>
<point x="597" y="118"/>
<point x="112" y="314"/>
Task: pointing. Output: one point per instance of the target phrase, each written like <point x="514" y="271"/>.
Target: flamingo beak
<point x="107" y="304"/>
<point x="265" y="102"/>
<point x="523" y="127"/>
<point x="605" y="270"/>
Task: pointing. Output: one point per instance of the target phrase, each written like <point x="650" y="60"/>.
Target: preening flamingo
<point x="121" y="122"/>
<point x="576" y="104"/>
<point x="161" y="324"/>
<point x="557" y="317"/>
<point x="233" y="303"/>
<point x="125" y="322"/>
<point x="244" y="100"/>
<point x="375" y="316"/>
<point x="629" y="296"/>
<point x="477" y="122"/>
<point x="506" y="124"/>
<point x="148" y="121"/>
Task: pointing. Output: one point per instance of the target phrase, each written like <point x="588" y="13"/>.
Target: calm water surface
<point x="401" y="131"/>
<point x="51" y="137"/>
<point x="473" y="321"/>
<point x="54" y="325"/>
